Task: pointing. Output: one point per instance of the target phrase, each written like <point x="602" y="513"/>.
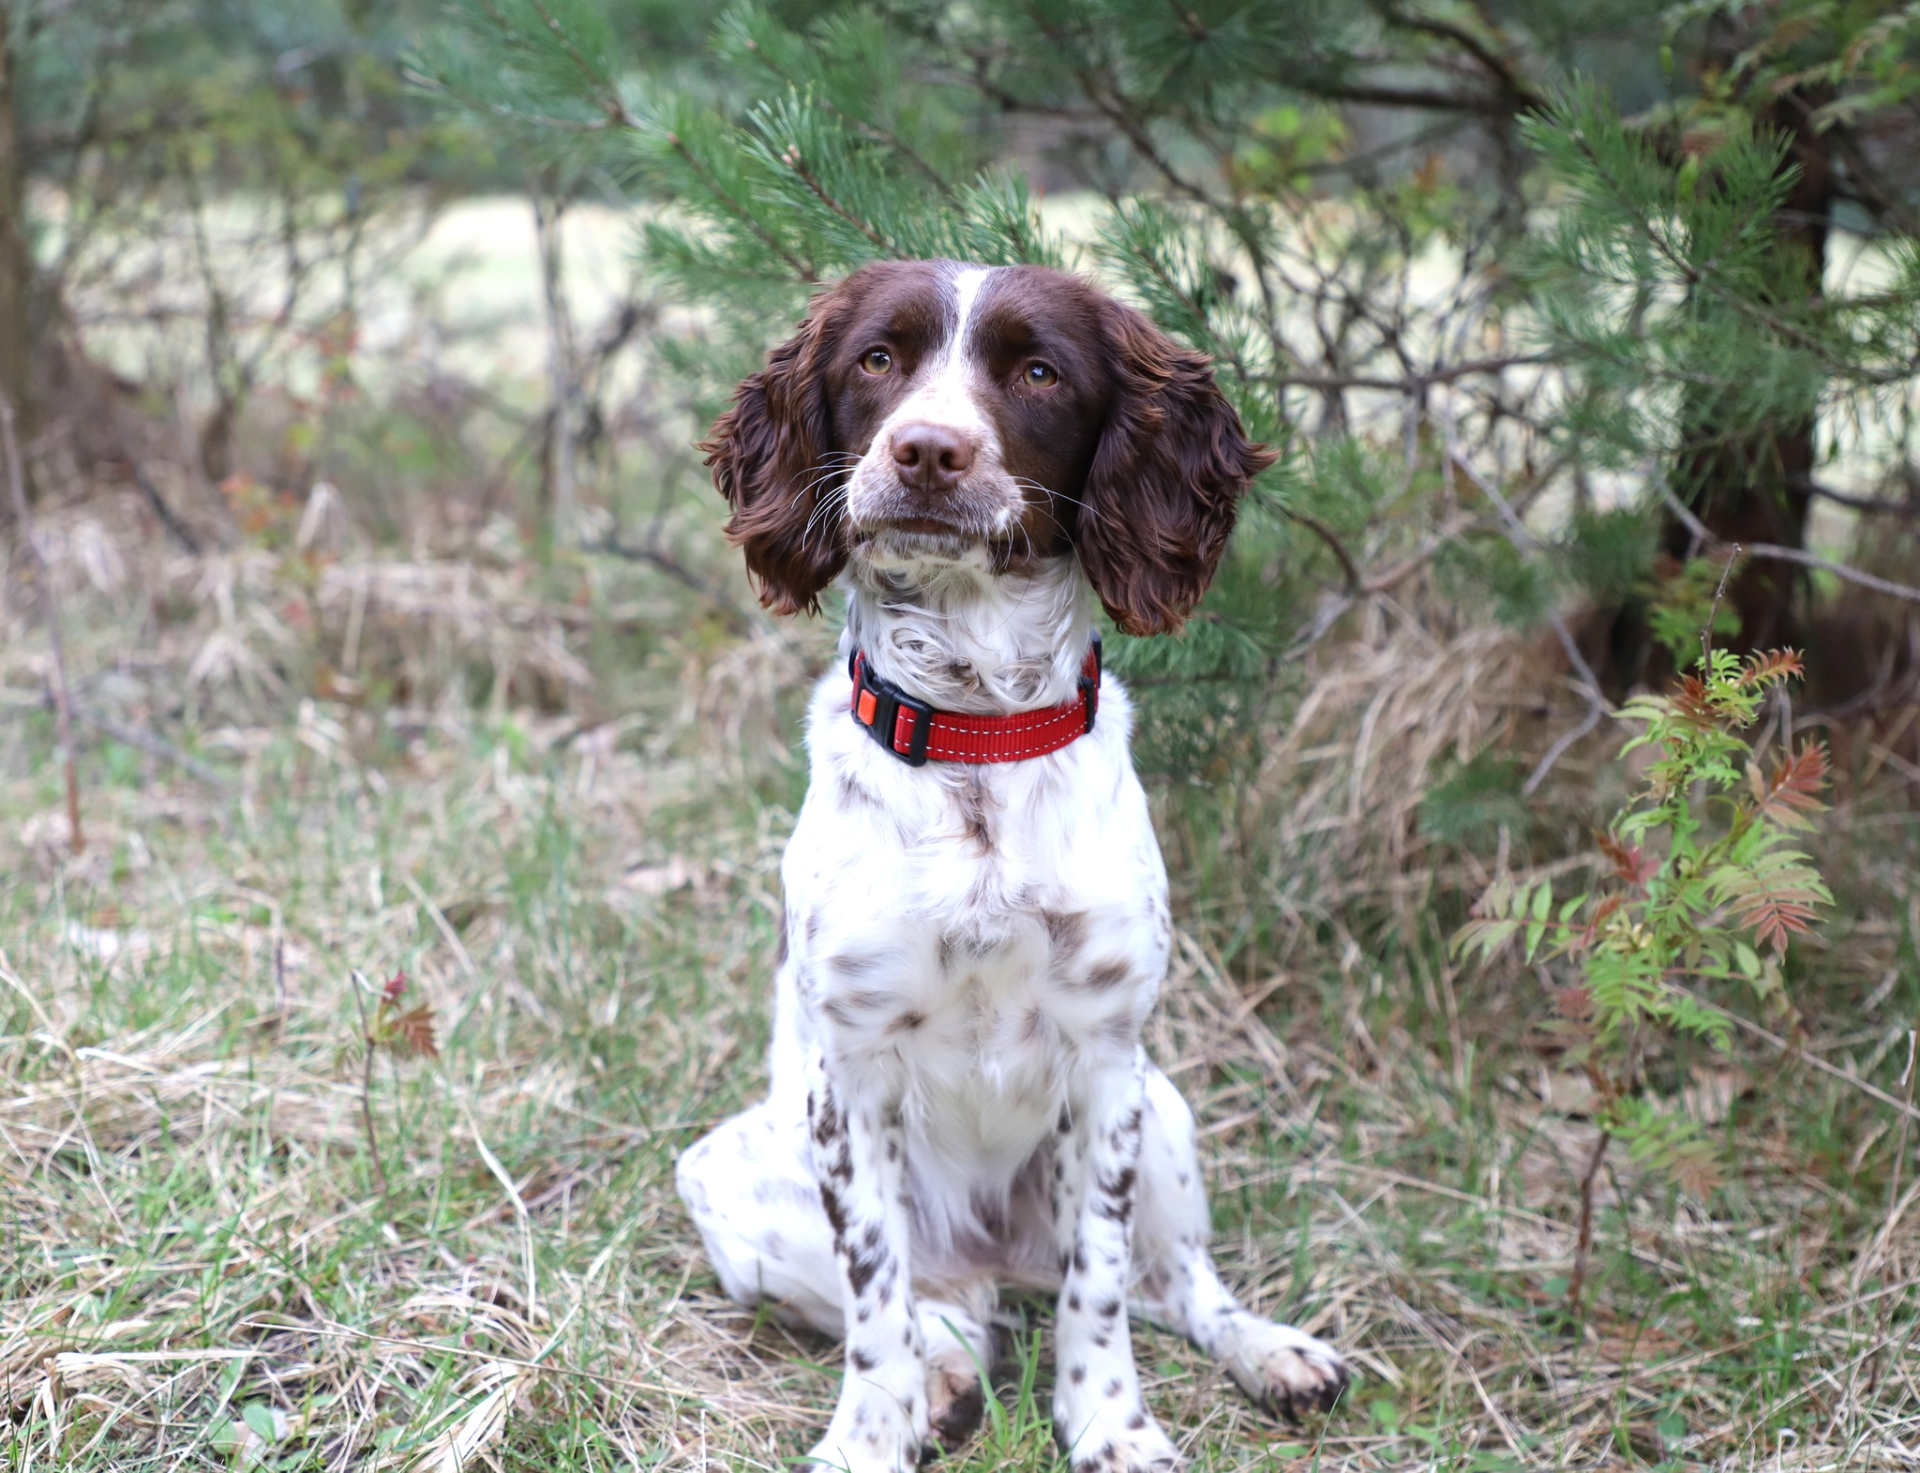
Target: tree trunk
<point x="16" y="259"/>
<point x="1752" y="485"/>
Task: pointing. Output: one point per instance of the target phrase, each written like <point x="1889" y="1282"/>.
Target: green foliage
<point x="1662" y="285"/>
<point x="1471" y="803"/>
<point x="1639" y="259"/>
<point x="1491" y="571"/>
<point x="1700" y="878"/>
<point x="1685" y="602"/>
<point x="1610" y="553"/>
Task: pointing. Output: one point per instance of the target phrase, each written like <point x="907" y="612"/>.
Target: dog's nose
<point x="931" y="457"/>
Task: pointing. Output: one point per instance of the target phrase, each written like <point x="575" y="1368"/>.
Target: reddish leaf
<point x="1693" y="704"/>
<point x="396" y="984"/>
<point x="413" y="1033"/>
<point x="1770" y="666"/>
<point x="1632" y="864"/>
<point x="1591" y="932"/>
<point x="1794" y="788"/>
<point x="1574" y="1002"/>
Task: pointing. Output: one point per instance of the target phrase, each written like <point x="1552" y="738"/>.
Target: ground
<point x="553" y="799"/>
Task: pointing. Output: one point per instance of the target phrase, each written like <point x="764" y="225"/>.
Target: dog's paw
<point x="868" y="1437"/>
<point x="838" y="1455"/>
<point x="1284" y="1370"/>
<point x="956" y="1402"/>
<point x="1135" y="1445"/>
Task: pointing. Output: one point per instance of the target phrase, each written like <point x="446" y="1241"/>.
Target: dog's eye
<point x="876" y="361"/>
<point x="1041" y="376"/>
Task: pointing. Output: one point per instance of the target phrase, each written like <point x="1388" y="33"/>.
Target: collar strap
<point x="916" y="733"/>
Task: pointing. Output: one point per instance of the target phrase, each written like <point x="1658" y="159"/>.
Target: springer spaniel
<point x="976" y="920"/>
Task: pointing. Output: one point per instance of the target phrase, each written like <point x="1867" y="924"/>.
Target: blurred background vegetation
<point x="357" y="351"/>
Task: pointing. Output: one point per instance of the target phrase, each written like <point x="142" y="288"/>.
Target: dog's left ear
<point x="768" y="452"/>
<point x="1171" y="465"/>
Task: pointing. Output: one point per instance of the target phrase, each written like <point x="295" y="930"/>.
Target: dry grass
<point x="556" y="801"/>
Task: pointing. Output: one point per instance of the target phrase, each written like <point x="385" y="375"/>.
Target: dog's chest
<point x="978" y="935"/>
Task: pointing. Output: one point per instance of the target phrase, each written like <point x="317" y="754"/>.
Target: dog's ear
<point x="1170" y="467"/>
<point x="768" y="453"/>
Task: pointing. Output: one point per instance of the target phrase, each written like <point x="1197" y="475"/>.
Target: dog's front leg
<point x="859" y="1160"/>
<point x="1097" y="1409"/>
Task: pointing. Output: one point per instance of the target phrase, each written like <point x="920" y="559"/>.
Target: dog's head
<point x="926" y="408"/>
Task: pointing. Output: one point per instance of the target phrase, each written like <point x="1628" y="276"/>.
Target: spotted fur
<point x="958" y="1097"/>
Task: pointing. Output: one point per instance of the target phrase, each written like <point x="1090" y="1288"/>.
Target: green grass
<point x="565" y="826"/>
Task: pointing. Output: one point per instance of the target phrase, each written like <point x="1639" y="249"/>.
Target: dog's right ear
<point x="769" y="457"/>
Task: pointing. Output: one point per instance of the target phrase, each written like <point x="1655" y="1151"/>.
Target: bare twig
<point x="357" y="982"/>
<point x="1583" y="1247"/>
<point x="1872" y="505"/>
<point x="558" y="472"/>
<point x="1719" y="592"/>
<point x="674" y="569"/>
<point x="1903" y="1108"/>
<point x="1412" y="382"/>
<point x="62" y="695"/>
<point x="1327" y="535"/>
<point x="1771" y="552"/>
<point x="1523" y="540"/>
<point x="151" y="744"/>
<point x="176" y="528"/>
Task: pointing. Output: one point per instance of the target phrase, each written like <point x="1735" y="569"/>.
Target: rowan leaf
<point x="1632" y="864"/>
<point x="1770" y="667"/>
<point x="412" y="1035"/>
<point x="1793" y="790"/>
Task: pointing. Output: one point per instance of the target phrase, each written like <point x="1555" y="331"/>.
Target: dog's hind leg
<point x="1282" y="1369"/>
<point x="750" y="1190"/>
<point x="749" y="1187"/>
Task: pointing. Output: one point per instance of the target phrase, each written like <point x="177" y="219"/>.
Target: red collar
<point x="916" y="733"/>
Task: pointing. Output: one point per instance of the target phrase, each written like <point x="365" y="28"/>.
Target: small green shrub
<point x="1702" y="884"/>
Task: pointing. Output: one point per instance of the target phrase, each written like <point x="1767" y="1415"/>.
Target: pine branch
<point x="790" y="156"/>
<point x="1520" y="95"/>
<point x="740" y="212"/>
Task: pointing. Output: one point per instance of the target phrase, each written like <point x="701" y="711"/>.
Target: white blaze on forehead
<point x="947" y="393"/>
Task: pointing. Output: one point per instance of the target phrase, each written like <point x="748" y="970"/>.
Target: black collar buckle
<point x="877" y="704"/>
<point x="1090" y="681"/>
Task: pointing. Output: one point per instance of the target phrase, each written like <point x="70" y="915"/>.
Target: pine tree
<point x="1628" y="319"/>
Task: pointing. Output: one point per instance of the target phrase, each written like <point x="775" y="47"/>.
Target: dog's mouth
<point x="922" y="526"/>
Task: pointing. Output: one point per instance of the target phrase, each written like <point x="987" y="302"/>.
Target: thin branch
<point x="1879" y="197"/>
<point x="1327" y="535"/>
<point x="1360" y="94"/>
<point x="1410" y="383"/>
<point x="1551" y="757"/>
<point x="1868" y="504"/>
<point x="1499" y="69"/>
<point x="1903" y="1108"/>
<point x="739" y="212"/>
<point x="355" y="982"/>
<point x="152" y="745"/>
<point x="674" y="569"/>
<point x="1772" y="552"/>
<point x="1583" y="1247"/>
<point x="790" y="156"/>
<point x="49" y="609"/>
<point x="867" y="129"/>
<point x="176" y="528"/>
<point x="1523" y="540"/>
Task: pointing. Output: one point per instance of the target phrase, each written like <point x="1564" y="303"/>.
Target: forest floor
<point x="553" y="798"/>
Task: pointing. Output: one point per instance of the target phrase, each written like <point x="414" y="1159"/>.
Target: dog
<point x="976" y="922"/>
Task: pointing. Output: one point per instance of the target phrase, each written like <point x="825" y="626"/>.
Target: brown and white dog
<point x="959" y="1097"/>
